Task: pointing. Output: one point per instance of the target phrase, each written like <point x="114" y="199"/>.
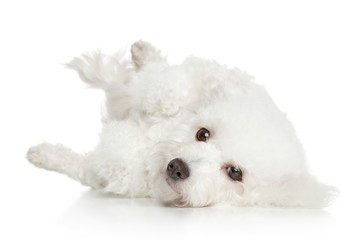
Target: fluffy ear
<point x="143" y="53"/>
<point x="304" y="190"/>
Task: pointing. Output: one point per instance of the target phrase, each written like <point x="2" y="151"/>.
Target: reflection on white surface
<point x="96" y="214"/>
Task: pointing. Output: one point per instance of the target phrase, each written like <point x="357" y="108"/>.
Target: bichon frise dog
<point x="194" y="134"/>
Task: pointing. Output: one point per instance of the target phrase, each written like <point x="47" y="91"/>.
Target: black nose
<point x="177" y="169"/>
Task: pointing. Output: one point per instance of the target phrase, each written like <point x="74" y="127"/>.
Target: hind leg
<point x="63" y="160"/>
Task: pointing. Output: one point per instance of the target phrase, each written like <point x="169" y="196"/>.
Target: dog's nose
<point x="177" y="169"/>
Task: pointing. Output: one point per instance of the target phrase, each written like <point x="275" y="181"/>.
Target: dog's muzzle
<point x="177" y="169"/>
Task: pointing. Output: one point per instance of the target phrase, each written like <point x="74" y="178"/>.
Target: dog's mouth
<point x="172" y="185"/>
<point x="179" y="200"/>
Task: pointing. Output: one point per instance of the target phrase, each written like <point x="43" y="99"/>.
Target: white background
<point x="306" y="53"/>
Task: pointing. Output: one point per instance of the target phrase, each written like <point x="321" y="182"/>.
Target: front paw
<point x="35" y="156"/>
<point x="41" y="155"/>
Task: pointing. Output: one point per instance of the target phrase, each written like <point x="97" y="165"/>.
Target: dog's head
<point x="219" y="138"/>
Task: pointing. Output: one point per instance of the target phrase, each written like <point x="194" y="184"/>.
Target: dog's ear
<point x="303" y="190"/>
<point x="143" y="53"/>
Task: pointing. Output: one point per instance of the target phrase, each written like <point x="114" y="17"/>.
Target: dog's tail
<point x="100" y="70"/>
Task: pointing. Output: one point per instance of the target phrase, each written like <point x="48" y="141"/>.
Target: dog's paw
<point x="35" y="156"/>
<point x="143" y="52"/>
<point x="41" y="156"/>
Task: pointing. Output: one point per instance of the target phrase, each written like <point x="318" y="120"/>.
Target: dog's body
<point x="195" y="134"/>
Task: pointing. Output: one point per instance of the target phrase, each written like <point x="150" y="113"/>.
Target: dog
<point x="190" y="135"/>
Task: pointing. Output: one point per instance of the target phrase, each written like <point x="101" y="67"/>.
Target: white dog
<point x="194" y="134"/>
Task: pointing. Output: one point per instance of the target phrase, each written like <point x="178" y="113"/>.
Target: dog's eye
<point x="203" y="135"/>
<point x="235" y="173"/>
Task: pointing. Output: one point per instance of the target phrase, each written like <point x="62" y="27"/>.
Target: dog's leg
<point x="113" y="74"/>
<point x="63" y="160"/>
<point x="109" y="73"/>
<point x="100" y="70"/>
<point x="143" y="53"/>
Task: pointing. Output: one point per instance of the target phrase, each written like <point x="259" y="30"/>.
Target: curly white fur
<point x="153" y="113"/>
